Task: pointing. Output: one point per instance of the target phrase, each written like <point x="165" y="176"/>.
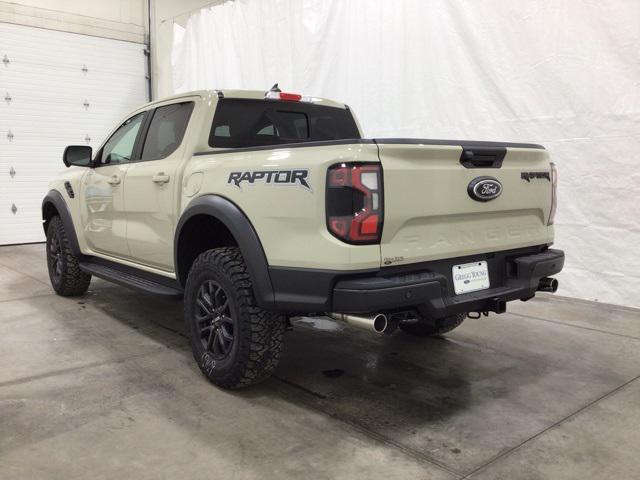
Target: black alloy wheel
<point x="214" y="320"/>
<point x="234" y="342"/>
<point x="55" y="257"/>
<point x="67" y="278"/>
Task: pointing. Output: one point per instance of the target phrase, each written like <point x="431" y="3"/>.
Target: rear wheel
<point x="234" y="342"/>
<point x="67" y="279"/>
<point x="433" y="328"/>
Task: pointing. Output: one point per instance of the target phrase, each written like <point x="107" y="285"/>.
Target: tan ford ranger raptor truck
<point x="256" y="207"/>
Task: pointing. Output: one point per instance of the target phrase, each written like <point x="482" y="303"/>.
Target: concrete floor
<point x="105" y="387"/>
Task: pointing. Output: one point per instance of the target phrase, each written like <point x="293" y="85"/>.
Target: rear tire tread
<point x="261" y="344"/>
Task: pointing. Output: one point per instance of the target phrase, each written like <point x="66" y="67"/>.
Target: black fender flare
<point x="227" y="212"/>
<point x="55" y="198"/>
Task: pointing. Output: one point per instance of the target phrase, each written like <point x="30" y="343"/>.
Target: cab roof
<point x="248" y="94"/>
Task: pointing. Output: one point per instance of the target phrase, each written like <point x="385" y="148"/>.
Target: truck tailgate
<point x="429" y="213"/>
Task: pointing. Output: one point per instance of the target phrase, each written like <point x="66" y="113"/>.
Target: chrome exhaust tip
<point x="548" y="284"/>
<point x="379" y="322"/>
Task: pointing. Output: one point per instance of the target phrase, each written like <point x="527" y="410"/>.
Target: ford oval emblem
<point x="484" y="189"/>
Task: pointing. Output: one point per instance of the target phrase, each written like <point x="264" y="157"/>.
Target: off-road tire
<point x="433" y="328"/>
<point x="257" y="334"/>
<point x="67" y="279"/>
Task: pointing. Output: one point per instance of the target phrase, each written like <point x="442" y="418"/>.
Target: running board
<point x="131" y="277"/>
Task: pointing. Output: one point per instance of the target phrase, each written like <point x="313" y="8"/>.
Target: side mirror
<point x="77" y="155"/>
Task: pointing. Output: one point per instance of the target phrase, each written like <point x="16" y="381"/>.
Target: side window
<point x="119" y="147"/>
<point x="166" y="130"/>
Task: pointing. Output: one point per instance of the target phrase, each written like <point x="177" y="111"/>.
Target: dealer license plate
<point x="470" y="277"/>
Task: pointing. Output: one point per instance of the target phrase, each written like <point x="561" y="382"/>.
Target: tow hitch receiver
<point x="496" y="304"/>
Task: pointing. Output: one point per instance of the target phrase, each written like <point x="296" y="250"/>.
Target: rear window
<point x="242" y="123"/>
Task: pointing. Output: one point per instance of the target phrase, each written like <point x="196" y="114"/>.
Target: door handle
<point x="160" y="178"/>
<point x="114" y="180"/>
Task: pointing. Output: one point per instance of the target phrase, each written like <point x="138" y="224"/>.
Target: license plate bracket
<point x="470" y="277"/>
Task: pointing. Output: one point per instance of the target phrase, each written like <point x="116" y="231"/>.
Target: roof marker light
<point x="287" y="97"/>
<point x="276" y="94"/>
<point x="292" y="97"/>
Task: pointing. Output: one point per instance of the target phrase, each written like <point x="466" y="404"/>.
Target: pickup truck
<point x="258" y="206"/>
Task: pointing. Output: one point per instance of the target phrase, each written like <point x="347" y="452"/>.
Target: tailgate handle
<point x="482" y="157"/>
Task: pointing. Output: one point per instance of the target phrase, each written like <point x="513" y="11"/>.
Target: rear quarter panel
<point x="288" y="218"/>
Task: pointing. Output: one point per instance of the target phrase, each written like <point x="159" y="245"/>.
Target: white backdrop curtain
<point x="564" y="73"/>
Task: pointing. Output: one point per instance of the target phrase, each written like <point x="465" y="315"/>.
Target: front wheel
<point x="433" y="328"/>
<point x="234" y="342"/>
<point x="67" y="279"/>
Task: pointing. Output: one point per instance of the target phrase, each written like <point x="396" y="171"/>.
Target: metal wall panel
<point x="56" y="89"/>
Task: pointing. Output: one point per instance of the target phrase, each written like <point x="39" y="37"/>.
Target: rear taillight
<point x="554" y="194"/>
<point x="354" y="202"/>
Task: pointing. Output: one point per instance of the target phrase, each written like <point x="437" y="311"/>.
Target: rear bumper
<point x="427" y="287"/>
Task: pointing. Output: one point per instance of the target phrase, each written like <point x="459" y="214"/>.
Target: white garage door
<point x="56" y="89"/>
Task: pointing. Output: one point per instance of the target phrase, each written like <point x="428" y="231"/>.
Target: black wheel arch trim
<point x="227" y="212"/>
<point x="56" y="199"/>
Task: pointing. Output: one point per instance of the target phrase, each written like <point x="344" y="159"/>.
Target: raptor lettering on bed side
<point x="296" y="176"/>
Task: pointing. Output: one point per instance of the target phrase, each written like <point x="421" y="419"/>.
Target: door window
<point x="119" y="148"/>
<point x="166" y="130"/>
